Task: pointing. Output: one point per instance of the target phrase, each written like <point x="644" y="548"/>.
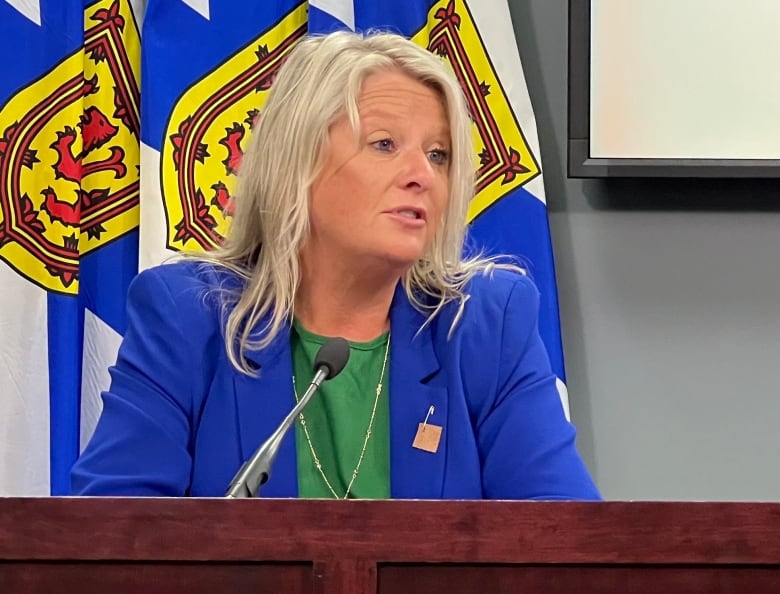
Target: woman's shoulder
<point x="497" y="287"/>
<point x="493" y="299"/>
<point x="193" y="287"/>
<point x="186" y="277"/>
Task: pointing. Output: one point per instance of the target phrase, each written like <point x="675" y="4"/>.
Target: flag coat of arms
<point x="103" y="174"/>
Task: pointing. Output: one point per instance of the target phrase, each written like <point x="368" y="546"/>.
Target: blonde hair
<point x="320" y="81"/>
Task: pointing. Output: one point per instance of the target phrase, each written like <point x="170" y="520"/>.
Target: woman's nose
<point x="417" y="170"/>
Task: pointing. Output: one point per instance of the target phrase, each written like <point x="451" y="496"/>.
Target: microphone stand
<point x="256" y="471"/>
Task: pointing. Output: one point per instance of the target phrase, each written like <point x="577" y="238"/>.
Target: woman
<point x="349" y="222"/>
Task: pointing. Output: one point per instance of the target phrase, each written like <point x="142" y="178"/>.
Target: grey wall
<point x="670" y="305"/>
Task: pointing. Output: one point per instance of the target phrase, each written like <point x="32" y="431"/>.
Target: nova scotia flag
<point x="69" y="131"/>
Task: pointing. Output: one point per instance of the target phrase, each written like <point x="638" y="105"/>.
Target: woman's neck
<point x="352" y="304"/>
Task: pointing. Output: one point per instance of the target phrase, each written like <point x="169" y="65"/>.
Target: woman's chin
<point x="401" y="260"/>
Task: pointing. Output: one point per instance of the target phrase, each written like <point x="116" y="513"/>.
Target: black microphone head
<point x="332" y="355"/>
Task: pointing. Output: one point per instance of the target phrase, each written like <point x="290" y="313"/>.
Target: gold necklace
<point x="355" y="472"/>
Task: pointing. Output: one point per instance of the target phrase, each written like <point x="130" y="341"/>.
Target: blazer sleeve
<point x="527" y="446"/>
<point x="142" y="442"/>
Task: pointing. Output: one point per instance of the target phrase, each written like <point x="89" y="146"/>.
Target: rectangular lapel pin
<point x="428" y="436"/>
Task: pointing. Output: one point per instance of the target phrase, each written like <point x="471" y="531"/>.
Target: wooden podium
<point x="91" y="545"/>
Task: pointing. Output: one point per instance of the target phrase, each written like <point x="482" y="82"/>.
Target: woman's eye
<point x="439" y="156"/>
<point x="386" y="144"/>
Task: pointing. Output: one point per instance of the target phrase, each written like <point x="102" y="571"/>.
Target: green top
<point x="337" y="418"/>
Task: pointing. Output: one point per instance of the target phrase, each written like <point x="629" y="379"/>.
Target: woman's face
<point x="380" y="200"/>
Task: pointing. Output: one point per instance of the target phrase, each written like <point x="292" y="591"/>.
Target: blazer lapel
<point x="414" y="473"/>
<point x="262" y="404"/>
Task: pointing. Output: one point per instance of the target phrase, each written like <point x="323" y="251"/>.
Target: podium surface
<point x="157" y="545"/>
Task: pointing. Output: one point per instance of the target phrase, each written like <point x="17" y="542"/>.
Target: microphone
<point x="330" y="360"/>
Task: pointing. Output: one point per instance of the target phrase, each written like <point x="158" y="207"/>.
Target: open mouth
<point x="413" y="214"/>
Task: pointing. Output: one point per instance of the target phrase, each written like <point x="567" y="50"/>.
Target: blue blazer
<point x="180" y="420"/>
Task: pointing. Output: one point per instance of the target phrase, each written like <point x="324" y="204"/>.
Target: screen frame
<point x="582" y="165"/>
